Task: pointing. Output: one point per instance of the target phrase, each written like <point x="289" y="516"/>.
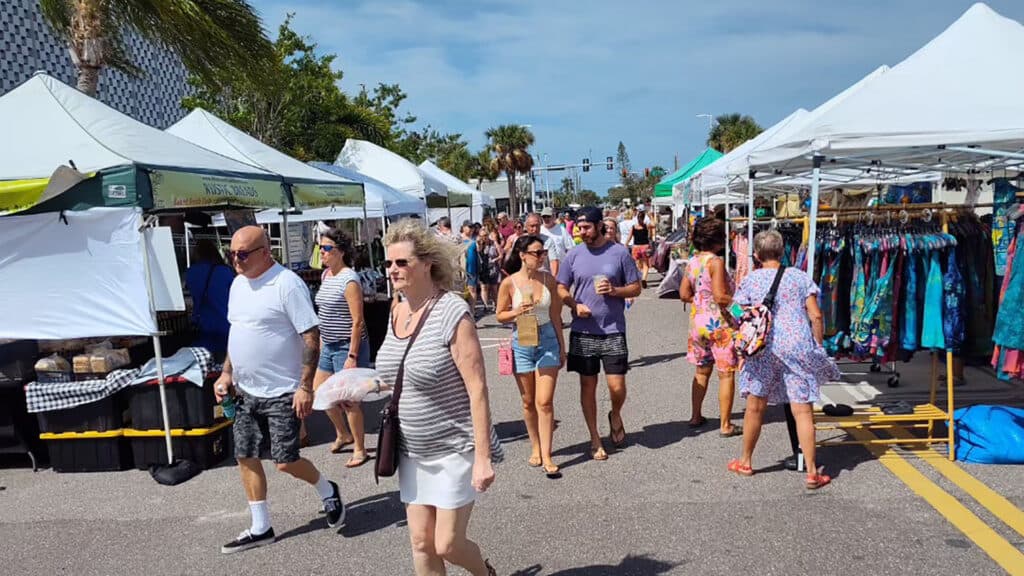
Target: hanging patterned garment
<point x="1003" y="227"/>
<point x="953" y="289"/>
<point x="828" y="297"/>
<point x="931" y="332"/>
<point x="858" y="297"/>
<point x="892" y="345"/>
<point x="910" y="329"/>
<point x="1009" y="332"/>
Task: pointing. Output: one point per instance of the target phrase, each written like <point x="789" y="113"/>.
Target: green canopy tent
<point x="663" y="189"/>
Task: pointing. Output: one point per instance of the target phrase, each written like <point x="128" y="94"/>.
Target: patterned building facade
<point x="27" y="45"/>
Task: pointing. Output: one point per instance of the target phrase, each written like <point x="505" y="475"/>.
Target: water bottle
<point x="228" y="405"/>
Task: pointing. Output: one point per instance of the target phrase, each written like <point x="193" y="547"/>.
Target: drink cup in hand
<point x="601" y="285"/>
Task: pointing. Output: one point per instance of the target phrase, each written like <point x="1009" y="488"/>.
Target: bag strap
<point x="397" y="392"/>
<point x="769" y="299"/>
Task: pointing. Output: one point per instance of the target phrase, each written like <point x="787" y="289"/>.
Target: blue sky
<point x="587" y="74"/>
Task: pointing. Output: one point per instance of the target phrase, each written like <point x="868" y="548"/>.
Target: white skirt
<point x="445" y="482"/>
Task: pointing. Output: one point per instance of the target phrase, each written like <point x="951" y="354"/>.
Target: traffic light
<point x="625" y="173"/>
<point x="608" y="162"/>
<point x="586" y="164"/>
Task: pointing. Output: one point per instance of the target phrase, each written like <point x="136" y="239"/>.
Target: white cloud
<point x="586" y="74"/>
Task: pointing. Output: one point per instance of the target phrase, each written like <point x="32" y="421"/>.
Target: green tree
<point x="482" y="168"/>
<point x="587" y="197"/>
<point x="510" y="144"/>
<point x="210" y="36"/>
<point x="299" y="109"/>
<point x="622" y="160"/>
<point x="731" y="130"/>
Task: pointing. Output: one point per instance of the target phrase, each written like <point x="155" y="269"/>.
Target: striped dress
<point x="434" y="407"/>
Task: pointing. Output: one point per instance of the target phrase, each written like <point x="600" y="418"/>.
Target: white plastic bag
<point x="351" y="385"/>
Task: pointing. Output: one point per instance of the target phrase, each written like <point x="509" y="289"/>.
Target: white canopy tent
<point x="55" y="123"/>
<point x="390" y="168"/>
<point x="466" y="202"/>
<point x="900" y="120"/>
<point x="379" y="196"/>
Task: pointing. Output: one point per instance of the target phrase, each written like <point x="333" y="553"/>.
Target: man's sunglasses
<point x="401" y="263"/>
<point x="243" y="255"/>
<point x="537" y="253"/>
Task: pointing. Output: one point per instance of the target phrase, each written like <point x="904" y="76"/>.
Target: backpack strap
<point x="769" y="299"/>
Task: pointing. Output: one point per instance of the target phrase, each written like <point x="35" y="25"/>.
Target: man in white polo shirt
<point x="555" y="230"/>
<point x="273" y="349"/>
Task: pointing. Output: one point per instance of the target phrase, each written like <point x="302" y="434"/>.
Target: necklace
<point x="413" y="312"/>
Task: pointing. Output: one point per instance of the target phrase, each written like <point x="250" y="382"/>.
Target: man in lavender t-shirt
<point x="598" y="334"/>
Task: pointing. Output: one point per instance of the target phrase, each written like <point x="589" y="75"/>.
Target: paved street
<point x="663" y="505"/>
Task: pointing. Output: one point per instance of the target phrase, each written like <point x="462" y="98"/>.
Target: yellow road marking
<point x="1006" y="555"/>
<point x="994" y="502"/>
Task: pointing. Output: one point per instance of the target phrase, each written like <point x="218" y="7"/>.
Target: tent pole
<point x="188" y="255"/>
<point x="157" y="350"/>
<point x="284" y="237"/>
<point x="366" y="232"/>
<point x="384" y="227"/>
<point x="750" y="219"/>
<point x="812" y="225"/>
<point x="727" y="243"/>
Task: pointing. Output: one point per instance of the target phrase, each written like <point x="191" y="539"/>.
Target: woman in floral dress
<point x="710" y="345"/>
<point x="793" y="365"/>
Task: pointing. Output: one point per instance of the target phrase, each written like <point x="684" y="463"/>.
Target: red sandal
<point x="815" y="481"/>
<point x="738" y="468"/>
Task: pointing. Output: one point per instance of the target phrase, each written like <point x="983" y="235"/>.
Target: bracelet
<point x="306" y="389"/>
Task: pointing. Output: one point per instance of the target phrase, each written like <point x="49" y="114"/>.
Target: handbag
<point x="386" y="464"/>
<point x="756" y="322"/>
<point x="506" y="362"/>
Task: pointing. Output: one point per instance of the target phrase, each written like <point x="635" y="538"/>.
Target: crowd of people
<point x="526" y="274"/>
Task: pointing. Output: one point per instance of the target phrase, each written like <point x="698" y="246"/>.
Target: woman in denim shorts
<point x="529" y="294"/>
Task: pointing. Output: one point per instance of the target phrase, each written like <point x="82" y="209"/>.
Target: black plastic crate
<point x="100" y="416"/>
<point x="188" y="406"/>
<point x="17" y="361"/>
<point x="88" y="451"/>
<point x="207" y="447"/>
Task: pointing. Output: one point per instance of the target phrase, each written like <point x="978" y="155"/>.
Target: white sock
<point x="260" y="517"/>
<point x="324" y="488"/>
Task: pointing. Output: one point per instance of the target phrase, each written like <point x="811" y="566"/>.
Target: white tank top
<point x="541" y="307"/>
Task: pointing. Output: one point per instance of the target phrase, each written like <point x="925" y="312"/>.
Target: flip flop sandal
<point x="737" y="468"/>
<point x="338" y="445"/>
<point x="698" y="423"/>
<point x="616" y="432"/>
<point x="815" y="481"/>
<point x="736" y="431"/>
<point x="598" y="454"/>
<point x="356" y="461"/>
<point x="552" y="471"/>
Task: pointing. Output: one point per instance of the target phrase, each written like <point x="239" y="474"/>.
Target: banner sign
<point x="320" y="195"/>
<point x="174" y="189"/>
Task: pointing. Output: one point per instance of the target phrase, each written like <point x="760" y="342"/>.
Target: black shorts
<point x="588" y="352"/>
<point x="266" y="427"/>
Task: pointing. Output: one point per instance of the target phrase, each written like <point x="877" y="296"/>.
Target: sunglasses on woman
<point x="538" y="253"/>
<point x="327" y="247"/>
<point x="401" y="263"/>
<point x="243" y="255"/>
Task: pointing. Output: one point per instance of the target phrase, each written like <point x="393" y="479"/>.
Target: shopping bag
<point x="506" y="364"/>
<point x="527" y="330"/>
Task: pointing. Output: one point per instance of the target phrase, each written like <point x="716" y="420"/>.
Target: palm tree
<point x="510" y="144"/>
<point x="731" y="130"/>
<point x="212" y="37"/>
<point x="481" y="168"/>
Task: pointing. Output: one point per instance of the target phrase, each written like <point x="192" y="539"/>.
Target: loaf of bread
<point x="107" y="360"/>
<point x="52" y="363"/>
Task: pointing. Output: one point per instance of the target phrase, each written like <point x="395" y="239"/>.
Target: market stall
<point x="466" y="203"/>
<point x="123" y="269"/>
<point x="895" y="124"/>
<point x="395" y="171"/>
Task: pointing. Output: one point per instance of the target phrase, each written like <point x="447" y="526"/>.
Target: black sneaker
<point x="334" y="508"/>
<point x="247" y="540"/>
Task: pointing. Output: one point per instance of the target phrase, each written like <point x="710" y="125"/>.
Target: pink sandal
<point x="738" y="468"/>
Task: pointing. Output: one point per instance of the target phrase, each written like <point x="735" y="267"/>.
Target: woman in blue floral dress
<point x="793" y="365"/>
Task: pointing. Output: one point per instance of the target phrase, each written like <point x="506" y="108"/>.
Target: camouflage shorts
<point x="266" y="427"/>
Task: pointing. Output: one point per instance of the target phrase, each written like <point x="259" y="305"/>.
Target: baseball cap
<point x="547" y="211"/>
<point x="589" y="214"/>
<point x="640" y="208"/>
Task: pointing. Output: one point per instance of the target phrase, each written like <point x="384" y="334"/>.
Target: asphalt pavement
<point x="665" y="504"/>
